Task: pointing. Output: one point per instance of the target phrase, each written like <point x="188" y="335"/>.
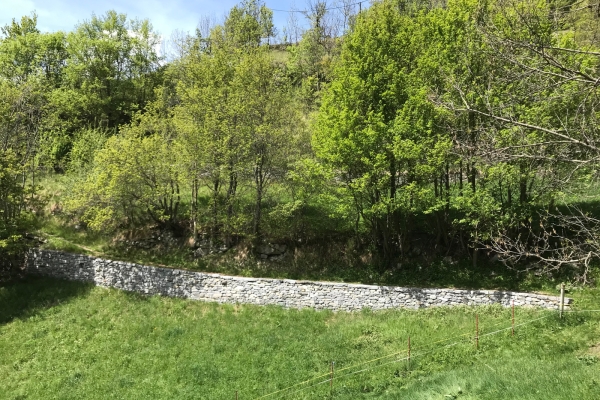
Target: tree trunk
<point x="259" y="180"/>
<point x="195" y="206"/>
<point x="460" y="178"/>
<point x="215" y="215"/>
<point x="230" y="197"/>
<point x="522" y="184"/>
<point x="473" y="174"/>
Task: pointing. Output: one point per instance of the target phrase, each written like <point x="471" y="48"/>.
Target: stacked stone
<point x="282" y="292"/>
<point x="60" y="265"/>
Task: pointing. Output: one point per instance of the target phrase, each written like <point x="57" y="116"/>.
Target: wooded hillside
<point x="457" y="128"/>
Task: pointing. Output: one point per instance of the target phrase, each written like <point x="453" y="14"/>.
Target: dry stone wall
<point x="283" y="292"/>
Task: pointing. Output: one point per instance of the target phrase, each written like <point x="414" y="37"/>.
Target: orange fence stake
<point x="477" y="331"/>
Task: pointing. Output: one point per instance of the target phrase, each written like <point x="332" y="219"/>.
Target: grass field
<point x="69" y="340"/>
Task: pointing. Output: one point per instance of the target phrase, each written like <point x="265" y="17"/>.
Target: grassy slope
<point x="71" y="341"/>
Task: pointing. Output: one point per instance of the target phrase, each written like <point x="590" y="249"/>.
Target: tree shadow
<point x="27" y="297"/>
<point x="589" y="207"/>
<point x="463" y="275"/>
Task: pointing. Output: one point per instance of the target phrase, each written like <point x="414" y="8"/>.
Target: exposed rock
<point x="448" y="260"/>
<point x="192" y="243"/>
<point x="56" y="209"/>
<point x="200" y="252"/>
<point x="271" y="251"/>
<point x="279" y="257"/>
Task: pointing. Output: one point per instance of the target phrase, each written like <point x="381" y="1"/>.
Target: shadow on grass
<point x="588" y="207"/>
<point x="464" y="275"/>
<point x="24" y="298"/>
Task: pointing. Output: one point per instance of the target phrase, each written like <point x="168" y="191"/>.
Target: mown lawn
<point x="69" y="340"/>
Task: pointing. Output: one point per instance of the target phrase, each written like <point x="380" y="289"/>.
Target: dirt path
<point x="89" y="250"/>
<point x="103" y="255"/>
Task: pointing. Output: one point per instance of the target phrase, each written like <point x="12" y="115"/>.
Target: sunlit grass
<point x="69" y="340"/>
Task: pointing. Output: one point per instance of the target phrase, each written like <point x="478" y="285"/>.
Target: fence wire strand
<point x="470" y="335"/>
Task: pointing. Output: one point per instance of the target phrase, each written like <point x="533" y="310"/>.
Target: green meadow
<point x="68" y="340"/>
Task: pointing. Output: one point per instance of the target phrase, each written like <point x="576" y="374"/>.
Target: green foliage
<point x="133" y="181"/>
<point x="21" y="108"/>
<point x="97" y="76"/>
<point x="319" y="206"/>
<point x="11" y="200"/>
<point x="310" y="63"/>
<point x="14" y="198"/>
<point x="453" y="123"/>
<point x="25" y="52"/>
<point x="249" y="23"/>
<point x="85" y="145"/>
<point x="236" y="127"/>
<point x="114" y="65"/>
<point x="377" y="126"/>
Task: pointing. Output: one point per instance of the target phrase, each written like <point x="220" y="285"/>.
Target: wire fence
<point x="429" y="348"/>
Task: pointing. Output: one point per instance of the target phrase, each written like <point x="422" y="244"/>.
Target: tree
<point x="96" y="77"/>
<point x="377" y="127"/>
<point x="134" y="181"/>
<point x="311" y="59"/>
<point x="19" y="51"/>
<point x="211" y="144"/>
<point x="21" y="108"/>
<point x="231" y="119"/>
<point x="31" y="67"/>
<point x="538" y="113"/>
<point x="114" y="64"/>
<point x="249" y="23"/>
<point x="13" y="218"/>
<point x="265" y="111"/>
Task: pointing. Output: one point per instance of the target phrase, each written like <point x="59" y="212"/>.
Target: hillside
<point x="371" y="148"/>
<point x="419" y="143"/>
<point x="71" y="341"/>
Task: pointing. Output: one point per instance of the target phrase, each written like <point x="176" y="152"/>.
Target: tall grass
<point x="69" y="340"/>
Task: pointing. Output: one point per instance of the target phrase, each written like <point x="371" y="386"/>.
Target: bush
<point x="13" y="217"/>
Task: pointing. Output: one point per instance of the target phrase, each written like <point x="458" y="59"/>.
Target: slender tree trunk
<point x="392" y="178"/>
<point x="259" y="180"/>
<point x="230" y="198"/>
<point x="473" y="139"/>
<point x="522" y="184"/>
<point x="216" y="183"/>
<point x="33" y="180"/>
<point x="447" y="178"/>
<point x="195" y="205"/>
<point x="178" y="197"/>
<point x="24" y="184"/>
<point x="473" y="175"/>
<point x="460" y="178"/>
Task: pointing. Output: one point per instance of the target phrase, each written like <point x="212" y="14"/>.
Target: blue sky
<point x="165" y="15"/>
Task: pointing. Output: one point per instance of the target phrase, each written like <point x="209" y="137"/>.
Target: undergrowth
<point x="333" y="259"/>
<point x="324" y="262"/>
